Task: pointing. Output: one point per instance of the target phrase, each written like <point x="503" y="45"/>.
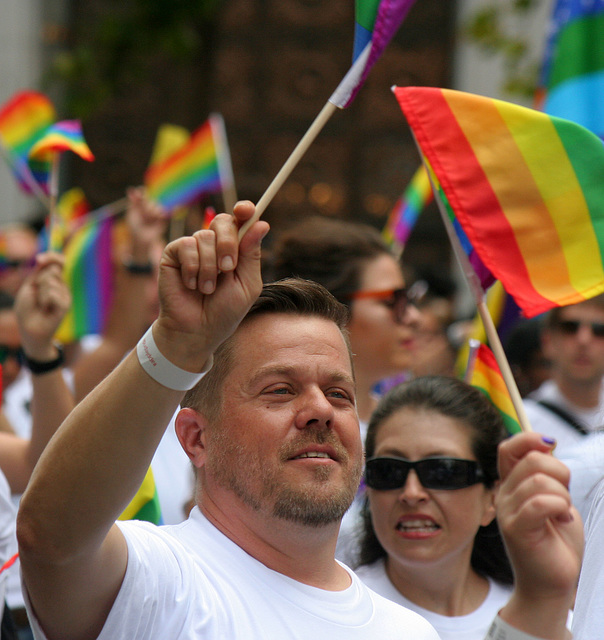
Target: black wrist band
<point x="37" y="367"/>
<point x="138" y="269"/>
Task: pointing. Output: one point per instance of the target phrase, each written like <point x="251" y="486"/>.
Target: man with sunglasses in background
<point x="571" y="403"/>
<point x="272" y="429"/>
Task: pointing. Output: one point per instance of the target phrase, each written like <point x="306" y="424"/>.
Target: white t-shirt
<point x="189" y="581"/>
<point x="544" y="421"/>
<point x="351" y="528"/>
<point x="588" y="616"/>
<point x="8" y="539"/>
<point x="586" y="463"/>
<point x="473" y="626"/>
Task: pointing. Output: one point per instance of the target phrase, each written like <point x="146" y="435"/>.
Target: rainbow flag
<point x="484" y="374"/>
<point x="416" y="197"/>
<point x="376" y="22"/>
<point x="88" y="272"/>
<point x="484" y="275"/>
<point x="572" y="76"/>
<point x="187" y="174"/>
<point x="168" y="140"/>
<point x="505" y="314"/>
<point x="23" y="120"/>
<point x="71" y="207"/>
<point x="145" y="504"/>
<point x="62" y="136"/>
<point x="525" y="186"/>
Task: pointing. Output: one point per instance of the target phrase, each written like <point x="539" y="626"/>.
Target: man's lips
<point x="314" y="453"/>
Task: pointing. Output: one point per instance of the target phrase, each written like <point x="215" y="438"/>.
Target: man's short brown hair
<point x="291" y="296"/>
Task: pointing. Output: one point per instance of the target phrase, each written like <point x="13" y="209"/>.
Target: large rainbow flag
<point x="484" y="374"/>
<point x="376" y="22"/>
<point x="525" y="186"/>
<point x="416" y="197"/>
<point x="572" y="76"/>
<point x="188" y="173"/>
<point x="88" y="272"/>
<point x="23" y="120"/>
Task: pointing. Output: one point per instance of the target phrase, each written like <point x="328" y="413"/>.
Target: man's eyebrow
<point x="290" y="371"/>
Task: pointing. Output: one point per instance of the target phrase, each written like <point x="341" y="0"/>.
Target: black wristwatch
<point x="37" y="367"/>
<point x="137" y="268"/>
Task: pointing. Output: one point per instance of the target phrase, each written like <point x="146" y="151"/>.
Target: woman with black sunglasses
<point x="430" y="540"/>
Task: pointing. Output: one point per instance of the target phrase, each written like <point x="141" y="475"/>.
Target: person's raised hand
<point x="41" y="304"/>
<point x="543" y="533"/>
<point x="207" y="283"/>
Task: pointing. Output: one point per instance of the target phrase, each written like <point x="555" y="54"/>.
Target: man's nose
<point x="314" y="409"/>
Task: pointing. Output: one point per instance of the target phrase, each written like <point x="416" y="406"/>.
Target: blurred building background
<point x="268" y="66"/>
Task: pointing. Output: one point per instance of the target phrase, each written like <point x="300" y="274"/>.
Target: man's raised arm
<point x="73" y="557"/>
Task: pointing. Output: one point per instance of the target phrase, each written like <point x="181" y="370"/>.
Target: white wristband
<point x="501" y="630"/>
<point x="162" y="370"/>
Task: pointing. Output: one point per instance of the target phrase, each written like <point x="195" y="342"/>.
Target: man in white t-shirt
<point x="571" y="403"/>
<point x="273" y="433"/>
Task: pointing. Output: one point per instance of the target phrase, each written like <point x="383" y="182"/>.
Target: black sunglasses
<point x="395" y="299"/>
<point x="571" y="327"/>
<point x="385" y="473"/>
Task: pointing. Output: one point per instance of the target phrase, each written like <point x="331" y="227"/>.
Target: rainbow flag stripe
<point x="572" y="76"/>
<point x="187" y="174"/>
<point x="526" y="187"/>
<point x="145" y="504"/>
<point x="376" y="22"/>
<point x="484" y="374"/>
<point x="88" y="272"/>
<point x="416" y="197"/>
<point x="23" y="120"/>
<point x="62" y="136"/>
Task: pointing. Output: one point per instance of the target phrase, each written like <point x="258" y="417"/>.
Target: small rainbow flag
<point x="525" y="186"/>
<point x="88" y="272"/>
<point x="572" y="76"/>
<point x="23" y="120"/>
<point x="71" y="207"/>
<point x="484" y="374"/>
<point x="187" y="174"/>
<point x="62" y="136"/>
<point x="416" y="197"/>
<point x="376" y="22"/>
<point x="145" y="504"/>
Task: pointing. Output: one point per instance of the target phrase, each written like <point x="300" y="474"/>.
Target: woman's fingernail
<point x="226" y="264"/>
<point x="550" y="441"/>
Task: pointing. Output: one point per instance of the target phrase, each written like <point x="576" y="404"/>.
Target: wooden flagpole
<point x="326" y="112"/>
<point x="337" y="100"/>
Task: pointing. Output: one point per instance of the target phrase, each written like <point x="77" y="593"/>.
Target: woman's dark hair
<point x="460" y="401"/>
<point x="333" y="253"/>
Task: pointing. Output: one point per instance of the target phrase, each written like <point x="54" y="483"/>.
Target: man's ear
<point x="191" y="431"/>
